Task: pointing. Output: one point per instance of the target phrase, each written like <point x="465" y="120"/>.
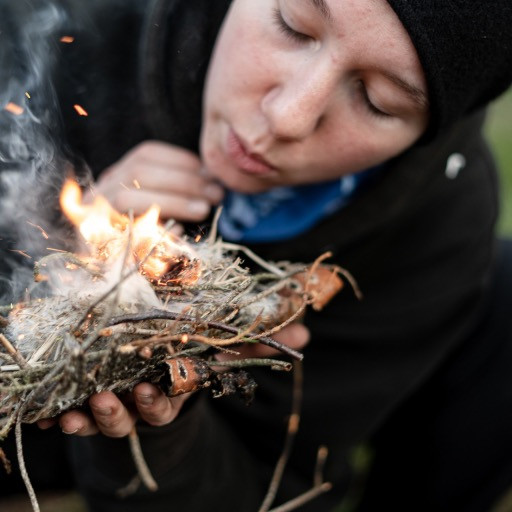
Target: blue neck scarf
<point x="285" y="212"/>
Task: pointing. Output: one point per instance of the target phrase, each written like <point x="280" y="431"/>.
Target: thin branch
<point x="275" y="364"/>
<point x="282" y="325"/>
<point x="5" y="462"/>
<point x="303" y="498"/>
<point x="13" y="352"/>
<point x="140" y="463"/>
<point x="21" y="463"/>
<point x="130" y="488"/>
<point x="254" y="257"/>
<point x="215" y="223"/>
<point x="293" y="427"/>
<point x="321" y="457"/>
<point x="159" y="314"/>
<point x="70" y="258"/>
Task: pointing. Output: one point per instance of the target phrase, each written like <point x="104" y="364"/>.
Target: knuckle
<point x="114" y="427"/>
<point x="159" y="414"/>
<point x="159" y="420"/>
<point x="143" y="150"/>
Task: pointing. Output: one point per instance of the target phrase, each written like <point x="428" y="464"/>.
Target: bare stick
<point x="10" y="421"/>
<point x="213" y="233"/>
<point x="21" y="464"/>
<point x="321" y="457"/>
<point x="159" y="314"/>
<point x="69" y="257"/>
<point x="140" y="463"/>
<point x="130" y="488"/>
<point x="5" y="462"/>
<point x="13" y="352"/>
<point x="293" y="427"/>
<point x="303" y="498"/>
<point x="282" y="325"/>
<point x="275" y="364"/>
<point x="319" y="486"/>
<point x="254" y="257"/>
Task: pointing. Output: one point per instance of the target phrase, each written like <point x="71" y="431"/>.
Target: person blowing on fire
<point x="345" y="125"/>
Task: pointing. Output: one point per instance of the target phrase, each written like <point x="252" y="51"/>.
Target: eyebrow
<point x="416" y="94"/>
<point x="322" y="7"/>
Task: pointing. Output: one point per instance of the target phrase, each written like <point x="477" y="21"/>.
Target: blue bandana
<point x="285" y="212"/>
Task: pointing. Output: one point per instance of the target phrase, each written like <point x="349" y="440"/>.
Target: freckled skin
<point x="315" y="107"/>
<point x="298" y="104"/>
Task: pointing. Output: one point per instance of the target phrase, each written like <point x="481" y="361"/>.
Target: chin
<point x="237" y="181"/>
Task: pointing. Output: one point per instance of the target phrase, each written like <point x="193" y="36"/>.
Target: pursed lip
<point x="243" y="158"/>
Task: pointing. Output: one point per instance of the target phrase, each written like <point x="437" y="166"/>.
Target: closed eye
<point x="288" y="31"/>
<point x="368" y="102"/>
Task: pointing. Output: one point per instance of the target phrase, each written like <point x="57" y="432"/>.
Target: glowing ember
<point x="14" y="109"/>
<point x="162" y="255"/>
<point x="80" y="110"/>
<point x="43" y="232"/>
<point x="67" y="39"/>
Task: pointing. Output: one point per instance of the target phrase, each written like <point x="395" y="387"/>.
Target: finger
<point x="295" y="336"/>
<point x="112" y="418"/>
<point x="46" y="423"/>
<point x="172" y="206"/>
<point x="78" y="423"/>
<point x="162" y="152"/>
<point x="154" y="406"/>
<point x="170" y="178"/>
<point x="136" y="164"/>
<point x="159" y="177"/>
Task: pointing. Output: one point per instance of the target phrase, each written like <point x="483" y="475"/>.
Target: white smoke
<point x="31" y="169"/>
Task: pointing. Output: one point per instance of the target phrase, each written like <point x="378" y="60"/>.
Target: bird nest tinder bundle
<point x="146" y="305"/>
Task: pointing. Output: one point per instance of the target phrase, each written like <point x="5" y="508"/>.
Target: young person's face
<point x="300" y="91"/>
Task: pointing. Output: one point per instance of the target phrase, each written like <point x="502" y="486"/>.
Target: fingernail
<point x="146" y="399"/>
<point x="198" y="207"/>
<point x="213" y="192"/>
<point x="102" y="411"/>
<point x="70" y="432"/>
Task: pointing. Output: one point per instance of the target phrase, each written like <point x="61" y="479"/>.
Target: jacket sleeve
<point x="197" y="461"/>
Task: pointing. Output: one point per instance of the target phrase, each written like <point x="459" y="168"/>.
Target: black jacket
<point x="419" y="241"/>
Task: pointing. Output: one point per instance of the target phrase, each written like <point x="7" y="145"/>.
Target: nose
<point x="296" y="105"/>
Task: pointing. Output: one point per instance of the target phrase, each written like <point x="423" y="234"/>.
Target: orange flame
<point x="106" y="233"/>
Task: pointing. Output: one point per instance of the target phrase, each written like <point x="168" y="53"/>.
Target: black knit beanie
<point x="465" y="48"/>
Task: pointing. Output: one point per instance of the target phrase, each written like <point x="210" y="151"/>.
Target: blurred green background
<point x="499" y="134"/>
